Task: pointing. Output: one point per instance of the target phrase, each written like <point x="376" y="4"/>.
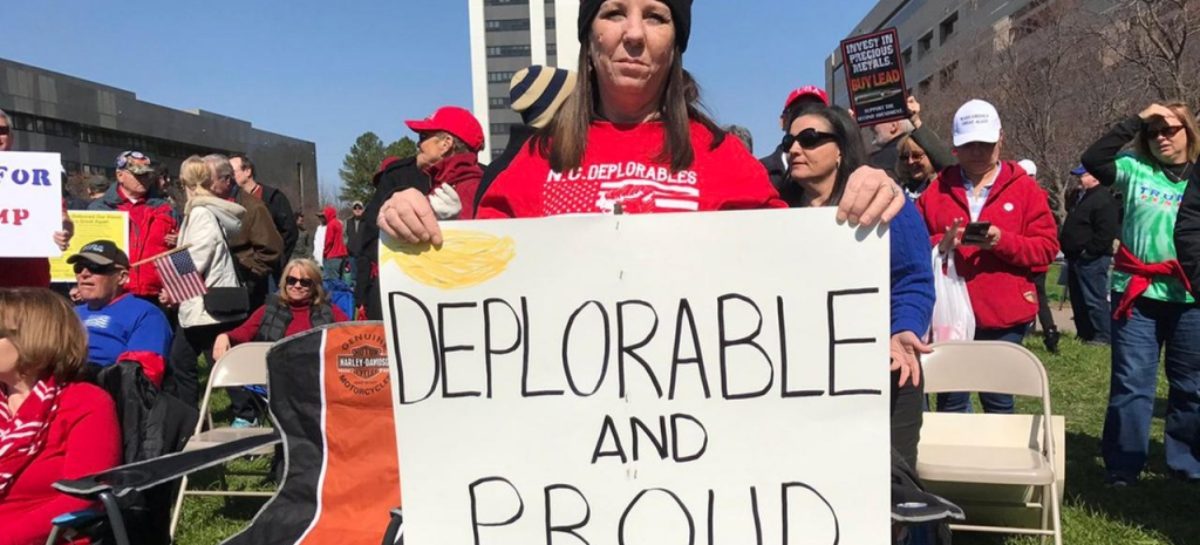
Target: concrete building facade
<point x="506" y="36"/>
<point x="935" y="34"/>
<point x="89" y="124"/>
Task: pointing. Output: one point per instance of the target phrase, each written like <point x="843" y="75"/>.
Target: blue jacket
<point x="912" y="273"/>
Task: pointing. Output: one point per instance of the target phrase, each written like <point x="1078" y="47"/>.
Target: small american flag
<point x="181" y="280"/>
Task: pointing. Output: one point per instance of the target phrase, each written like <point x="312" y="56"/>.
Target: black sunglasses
<point x="94" y="268"/>
<point x="4" y="130"/>
<point x="1168" y="131"/>
<point x="304" y="282"/>
<point x="808" y="138"/>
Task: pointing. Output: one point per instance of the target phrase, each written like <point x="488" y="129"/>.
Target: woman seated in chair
<point x="52" y="425"/>
<point x="302" y="305"/>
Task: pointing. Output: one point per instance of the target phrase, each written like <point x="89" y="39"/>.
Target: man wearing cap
<point x="1014" y="234"/>
<point x="777" y="162"/>
<point x="120" y="327"/>
<point x="354" y="227"/>
<point x="449" y="140"/>
<point x="150" y="220"/>
<point x="277" y="203"/>
<point x="535" y="93"/>
<point x="1087" y="239"/>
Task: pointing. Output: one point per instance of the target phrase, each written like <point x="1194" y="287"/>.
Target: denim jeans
<point x="960" y="402"/>
<point x="333" y="268"/>
<point x="1137" y="344"/>
<point x="1087" y="283"/>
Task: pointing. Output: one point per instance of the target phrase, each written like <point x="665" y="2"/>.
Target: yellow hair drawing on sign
<point x="466" y="258"/>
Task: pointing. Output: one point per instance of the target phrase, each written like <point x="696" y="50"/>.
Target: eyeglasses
<point x="127" y="157"/>
<point x="4" y="130"/>
<point x="303" y="282"/>
<point x="912" y="156"/>
<point x="808" y="138"/>
<point x="94" y="268"/>
<point x="1168" y="131"/>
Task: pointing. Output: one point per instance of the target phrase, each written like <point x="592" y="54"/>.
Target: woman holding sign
<point x="824" y="147"/>
<point x="632" y="137"/>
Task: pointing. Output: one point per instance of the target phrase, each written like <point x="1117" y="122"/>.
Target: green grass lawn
<point x="1158" y="510"/>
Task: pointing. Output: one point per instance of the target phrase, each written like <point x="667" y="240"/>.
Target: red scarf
<point x="22" y="435"/>
<point x="1141" y="276"/>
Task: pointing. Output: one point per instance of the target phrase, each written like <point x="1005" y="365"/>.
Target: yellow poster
<point x="90" y="227"/>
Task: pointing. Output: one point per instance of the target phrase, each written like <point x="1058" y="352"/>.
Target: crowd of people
<point x="629" y="101"/>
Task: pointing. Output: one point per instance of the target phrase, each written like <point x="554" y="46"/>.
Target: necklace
<point x="1183" y="173"/>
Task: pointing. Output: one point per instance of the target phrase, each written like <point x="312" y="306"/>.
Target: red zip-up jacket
<point x="150" y="221"/>
<point x="335" y="244"/>
<point x="999" y="280"/>
<point x="619" y="167"/>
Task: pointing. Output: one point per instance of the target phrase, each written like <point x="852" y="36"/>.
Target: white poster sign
<point x="30" y="203"/>
<point x="675" y="379"/>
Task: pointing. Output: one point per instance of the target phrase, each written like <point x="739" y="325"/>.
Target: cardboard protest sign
<point x="643" y="379"/>
<point x="90" y="227"/>
<point x="875" y="77"/>
<point x="30" y="203"/>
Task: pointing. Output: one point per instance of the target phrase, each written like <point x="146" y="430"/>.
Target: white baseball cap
<point x="1028" y="166"/>
<point x="976" y="121"/>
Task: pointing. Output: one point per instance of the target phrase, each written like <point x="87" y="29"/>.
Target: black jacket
<point x="401" y="175"/>
<point x="284" y="219"/>
<point x="1187" y="232"/>
<point x="886" y="156"/>
<point x="1091" y="226"/>
<point x="354" y="228"/>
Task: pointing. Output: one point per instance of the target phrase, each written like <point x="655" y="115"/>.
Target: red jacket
<point x="335" y="246"/>
<point x="619" y="167"/>
<point x="83" y="439"/>
<point x="150" y="221"/>
<point x="17" y="272"/>
<point x="999" y="280"/>
<point x="463" y="173"/>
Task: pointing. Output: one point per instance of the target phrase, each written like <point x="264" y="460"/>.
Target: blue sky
<point x="329" y="71"/>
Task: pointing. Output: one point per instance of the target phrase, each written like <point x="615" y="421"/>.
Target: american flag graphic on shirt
<point x="599" y="189"/>
<point x="181" y="280"/>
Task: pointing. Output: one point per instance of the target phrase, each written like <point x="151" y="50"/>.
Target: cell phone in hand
<point x="976" y="232"/>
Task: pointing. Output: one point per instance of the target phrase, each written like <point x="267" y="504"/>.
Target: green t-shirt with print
<point x="1152" y="201"/>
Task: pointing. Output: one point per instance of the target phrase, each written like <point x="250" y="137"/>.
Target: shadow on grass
<point x="1156" y="503"/>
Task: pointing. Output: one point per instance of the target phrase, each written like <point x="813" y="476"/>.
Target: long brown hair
<point x="564" y="140"/>
<point x="1184" y="113"/>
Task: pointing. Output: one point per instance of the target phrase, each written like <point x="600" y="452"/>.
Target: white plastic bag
<point x="953" y="317"/>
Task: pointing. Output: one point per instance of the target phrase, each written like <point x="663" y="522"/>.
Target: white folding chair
<point x="243" y="365"/>
<point x="998" y="468"/>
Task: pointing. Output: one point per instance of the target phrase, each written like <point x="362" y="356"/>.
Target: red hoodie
<point x="619" y="167"/>
<point x="462" y="173"/>
<point x="999" y="280"/>
<point x="335" y="246"/>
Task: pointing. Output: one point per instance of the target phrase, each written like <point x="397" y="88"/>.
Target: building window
<point x="508" y="51"/>
<point x="925" y="44"/>
<point x="925" y="86"/>
<point x="501" y="128"/>
<point x="946" y="75"/>
<point x="505" y="25"/>
<point x="500" y="77"/>
<point x="551" y="49"/>
<point x="946" y="29"/>
<point x="498" y="102"/>
<point x="505" y="2"/>
<point x="550" y="22"/>
<point x="907" y="55"/>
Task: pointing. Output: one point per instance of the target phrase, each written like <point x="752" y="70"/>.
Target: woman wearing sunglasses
<point x="922" y="155"/>
<point x="824" y="147"/>
<point x="1149" y="292"/>
<point x="302" y="305"/>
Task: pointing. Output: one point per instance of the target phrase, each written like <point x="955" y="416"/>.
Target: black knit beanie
<point x="681" y="13"/>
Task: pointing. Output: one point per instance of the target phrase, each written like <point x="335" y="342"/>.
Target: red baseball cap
<point x="454" y="120"/>
<point x="811" y="91"/>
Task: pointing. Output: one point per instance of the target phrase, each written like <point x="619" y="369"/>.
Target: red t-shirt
<point x="83" y="439"/>
<point x="619" y="167"/>
<point x="301" y="322"/>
